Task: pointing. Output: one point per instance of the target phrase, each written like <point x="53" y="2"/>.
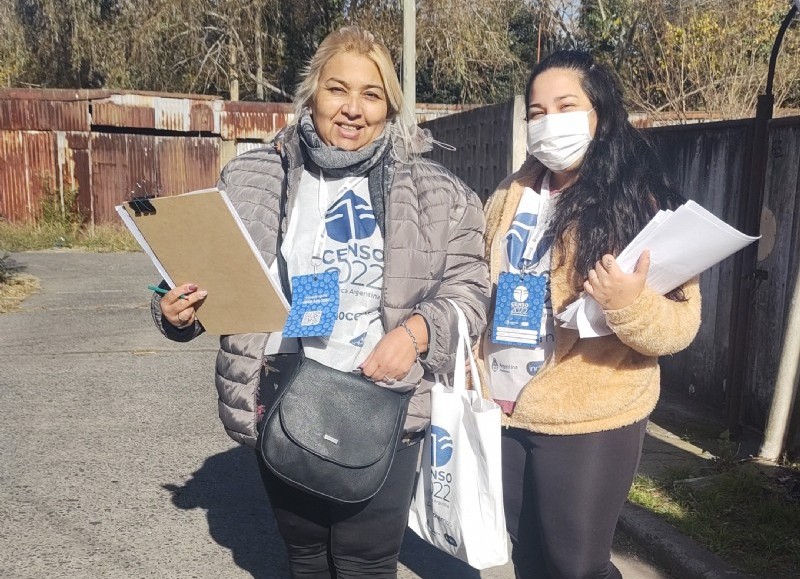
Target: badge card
<point x="315" y="305"/>
<point x="518" y="309"/>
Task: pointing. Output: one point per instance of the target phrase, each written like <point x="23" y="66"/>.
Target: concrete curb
<point x="671" y="549"/>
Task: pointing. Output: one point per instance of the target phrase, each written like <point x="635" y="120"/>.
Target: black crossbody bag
<point x="332" y="434"/>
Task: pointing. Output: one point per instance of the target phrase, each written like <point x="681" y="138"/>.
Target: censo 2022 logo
<point x="441" y="446"/>
<point x="350" y="218"/>
<point x="442" y="480"/>
<point x="518" y="236"/>
<point x="517" y="239"/>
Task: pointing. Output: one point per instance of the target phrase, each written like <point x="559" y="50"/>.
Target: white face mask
<point x="559" y="140"/>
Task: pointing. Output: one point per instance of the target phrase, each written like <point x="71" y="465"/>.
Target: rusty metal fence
<point x="102" y="145"/>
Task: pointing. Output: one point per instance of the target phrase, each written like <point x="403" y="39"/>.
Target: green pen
<point x="162" y="291"/>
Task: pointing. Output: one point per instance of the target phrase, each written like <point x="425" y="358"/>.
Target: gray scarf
<point x="339" y="163"/>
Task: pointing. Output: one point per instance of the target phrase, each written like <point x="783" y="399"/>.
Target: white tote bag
<point x="458" y="502"/>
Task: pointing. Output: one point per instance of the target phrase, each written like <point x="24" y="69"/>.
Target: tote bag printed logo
<point x="350" y="218"/>
<point x="441" y="446"/>
<point x="441" y="477"/>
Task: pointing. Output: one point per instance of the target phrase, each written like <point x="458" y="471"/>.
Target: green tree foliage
<point x="162" y="45"/>
<point x="671" y="55"/>
<point x="683" y="56"/>
<point x="13" y="53"/>
<point x="303" y="26"/>
<point x="51" y="34"/>
<point x="467" y="51"/>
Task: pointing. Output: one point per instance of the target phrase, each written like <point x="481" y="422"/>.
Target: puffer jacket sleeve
<point x="170" y="331"/>
<point x="466" y="282"/>
<point x="655" y="325"/>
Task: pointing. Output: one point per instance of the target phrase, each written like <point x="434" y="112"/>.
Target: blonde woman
<point x="404" y="236"/>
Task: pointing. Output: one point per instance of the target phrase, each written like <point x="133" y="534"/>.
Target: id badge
<point x="518" y="309"/>
<point x="315" y="305"/>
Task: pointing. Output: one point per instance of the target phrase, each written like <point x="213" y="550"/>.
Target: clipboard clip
<point x="140" y="202"/>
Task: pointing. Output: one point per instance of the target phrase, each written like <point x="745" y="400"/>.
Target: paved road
<point x="113" y="461"/>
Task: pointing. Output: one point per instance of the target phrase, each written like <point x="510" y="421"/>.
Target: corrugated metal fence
<point x="103" y="145"/>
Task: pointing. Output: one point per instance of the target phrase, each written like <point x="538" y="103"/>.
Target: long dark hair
<point x="620" y="184"/>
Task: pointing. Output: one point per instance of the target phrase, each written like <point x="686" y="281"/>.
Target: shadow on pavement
<point x="430" y="563"/>
<point x="228" y="487"/>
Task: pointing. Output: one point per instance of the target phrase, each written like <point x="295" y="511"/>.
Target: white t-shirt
<point x="510" y="368"/>
<point x="333" y="226"/>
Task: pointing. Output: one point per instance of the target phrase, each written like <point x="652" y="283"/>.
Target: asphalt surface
<point x="114" y="463"/>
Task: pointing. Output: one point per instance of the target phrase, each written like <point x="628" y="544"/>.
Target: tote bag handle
<point x="463" y="353"/>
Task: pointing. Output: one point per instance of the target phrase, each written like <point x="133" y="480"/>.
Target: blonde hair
<point x="402" y="130"/>
<point x="359" y="41"/>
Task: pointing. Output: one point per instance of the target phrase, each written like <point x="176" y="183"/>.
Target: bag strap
<point x="463" y="352"/>
<point x="282" y="268"/>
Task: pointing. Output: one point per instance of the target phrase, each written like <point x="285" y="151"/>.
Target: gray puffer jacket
<point x="433" y="242"/>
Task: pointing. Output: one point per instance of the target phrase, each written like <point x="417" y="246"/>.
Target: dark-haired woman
<point x="575" y="408"/>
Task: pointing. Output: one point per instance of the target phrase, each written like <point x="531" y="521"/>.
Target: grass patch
<point x="60" y="224"/>
<point x="100" y="238"/>
<point x="749" y="516"/>
<point x="15" y="286"/>
<point x="14" y="291"/>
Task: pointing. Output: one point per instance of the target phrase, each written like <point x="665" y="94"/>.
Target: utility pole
<point x="410" y="56"/>
<point x="234" y="71"/>
<point x="259" y="60"/>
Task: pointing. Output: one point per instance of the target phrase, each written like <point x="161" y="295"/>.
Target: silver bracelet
<point x="413" y="338"/>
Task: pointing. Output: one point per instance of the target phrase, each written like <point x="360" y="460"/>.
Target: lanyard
<point x="322" y="205"/>
<point x="535" y="237"/>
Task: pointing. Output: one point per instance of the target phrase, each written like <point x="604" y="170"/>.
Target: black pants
<point x="328" y="540"/>
<point x="563" y="496"/>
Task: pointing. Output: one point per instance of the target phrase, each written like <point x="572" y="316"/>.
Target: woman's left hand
<point x="611" y="287"/>
<point x="394" y="354"/>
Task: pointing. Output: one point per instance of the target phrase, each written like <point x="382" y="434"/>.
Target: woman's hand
<point x="179" y="305"/>
<point x="394" y="354"/>
<point x="612" y="288"/>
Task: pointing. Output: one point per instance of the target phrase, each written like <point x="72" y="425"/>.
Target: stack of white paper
<point x="682" y="243"/>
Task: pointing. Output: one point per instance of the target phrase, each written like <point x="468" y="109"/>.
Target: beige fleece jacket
<point x="590" y="384"/>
